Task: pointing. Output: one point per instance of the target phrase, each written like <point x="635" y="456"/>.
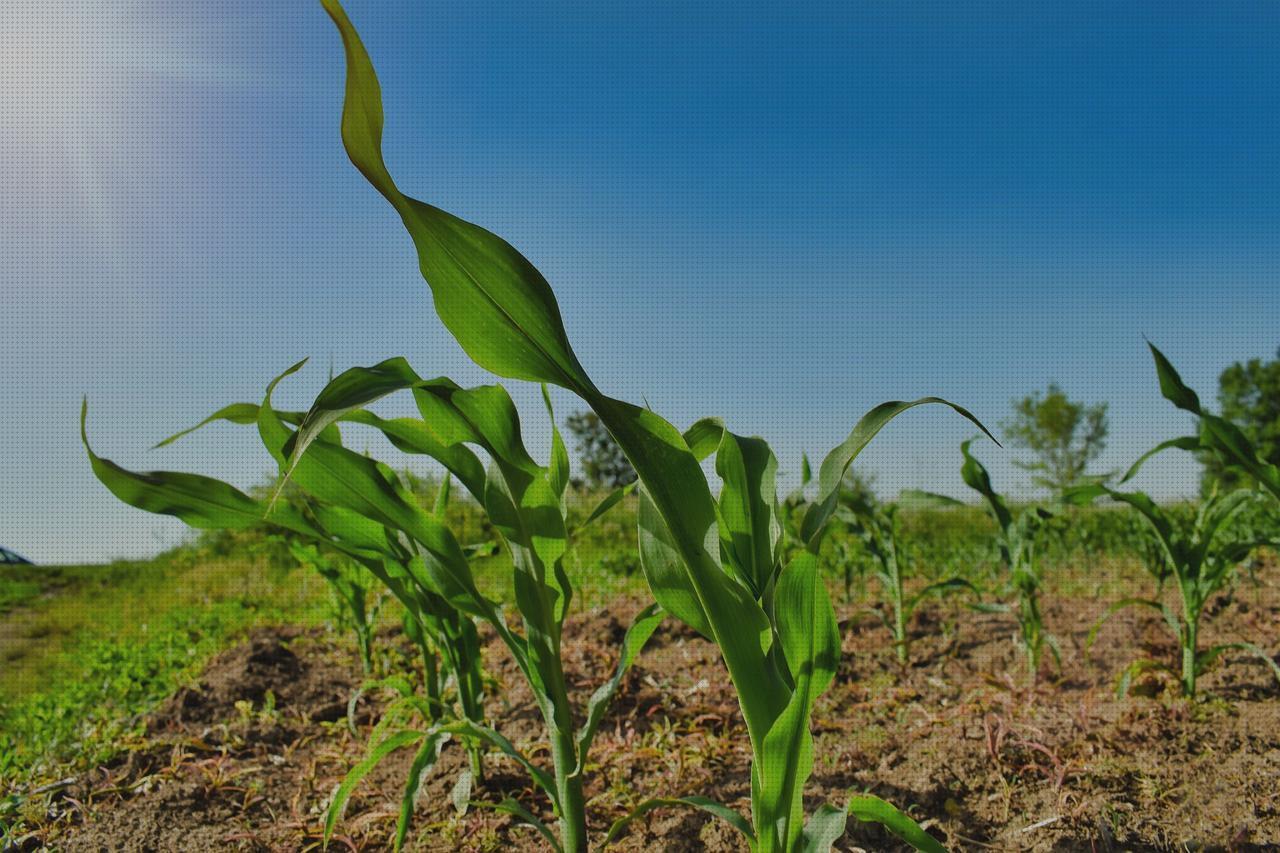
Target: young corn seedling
<point x="446" y="638"/>
<point x="336" y="516"/>
<point x="713" y="564"/>
<point x="365" y="508"/>
<point x="352" y="587"/>
<point x="877" y="526"/>
<point x="524" y="501"/>
<point x="1016" y="540"/>
<point x="1202" y="553"/>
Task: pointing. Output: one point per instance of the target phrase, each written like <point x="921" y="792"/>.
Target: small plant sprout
<point x="877" y="526"/>
<point x="1016" y="540"/>
<point x="1202" y="552"/>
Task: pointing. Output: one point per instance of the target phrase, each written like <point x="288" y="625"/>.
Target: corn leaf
<point x="199" y="501"/>
<point x="1186" y="442"/>
<point x="709" y="806"/>
<point x="872" y="809"/>
<point x="749" y="524"/>
<point x="376" y="755"/>
<point x="523" y="815"/>
<point x="975" y="476"/>
<point x="494" y="302"/>
<point x="838" y="460"/>
<point x="423" y="761"/>
<point x="810" y="642"/>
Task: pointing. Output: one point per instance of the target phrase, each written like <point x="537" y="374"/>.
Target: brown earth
<point x="983" y="760"/>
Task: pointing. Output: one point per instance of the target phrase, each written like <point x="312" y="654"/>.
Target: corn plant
<point x="335" y="516"/>
<point x="713" y="564"/>
<point x="446" y="637"/>
<point x="361" y="507"/>
<point x="353" y="589"/>
<point x="877" y="527"/>
<point x="524" y="502"/>
<point x="1202" y="552"/>
<point x="1016" y="540"/>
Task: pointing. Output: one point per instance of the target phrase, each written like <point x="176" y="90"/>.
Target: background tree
<point x="1249" y="395"/>
<point x="1064" y="435"/>
<point x="604" y="464"/>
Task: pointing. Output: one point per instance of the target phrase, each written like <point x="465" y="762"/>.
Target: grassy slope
<point x="84" y="650"/>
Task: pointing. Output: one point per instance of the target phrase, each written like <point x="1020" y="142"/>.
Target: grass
<point x="87" y="649"/>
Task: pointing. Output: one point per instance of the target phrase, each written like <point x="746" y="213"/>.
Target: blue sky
<point x="782" y="214"/>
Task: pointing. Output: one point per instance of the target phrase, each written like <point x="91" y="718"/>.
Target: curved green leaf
<point x="838" y="460"/>
<point x="872" y="809"/>
<point x="709" y="806"/>
<point x="494" y="302"/>
<point x="426" y="758"/>
<point x="663" y="567"/>
<point x="523" y="815"/>
<point x="1206" y="657"/>
<point x="942" y="588"/>
<point x="1171" y="384"/>
<point x="825" y="827"/>
<point x="1186" y="442"/>
<point x="610" y="501"/>
<point x="976" y="477"/>
<point x="376" y="755"/>
<point x="197" y="500"/>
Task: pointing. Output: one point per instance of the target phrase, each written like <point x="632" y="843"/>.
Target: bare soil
<point x="246" y="759"/>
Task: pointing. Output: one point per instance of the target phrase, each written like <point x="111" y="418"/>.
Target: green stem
<point x="1189" y="659"/>
<point x="573" y="804"/>
<point x="431" y="679"/>
<point x="899" y="612"/>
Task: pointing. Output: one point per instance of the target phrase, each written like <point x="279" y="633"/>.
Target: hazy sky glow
<point x="778" y="215"/>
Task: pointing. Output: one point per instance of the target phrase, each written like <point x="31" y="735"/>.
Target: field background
<point x="128" y="685"/>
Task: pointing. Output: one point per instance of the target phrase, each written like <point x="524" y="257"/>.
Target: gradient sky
<point x="782" y="214"/>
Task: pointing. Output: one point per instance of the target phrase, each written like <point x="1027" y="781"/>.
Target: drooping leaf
<point x="528" y="818"/>
<point x="199" y="501"/>
<point x="976" y="477"/>
<point x="872" y="809"/>
<point x="351" y="390"/>
<point x="838" y="460"/>
<point x="377" y="754"/>
<point x="709" y="806"/>
<point x="1187" y="442"/>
